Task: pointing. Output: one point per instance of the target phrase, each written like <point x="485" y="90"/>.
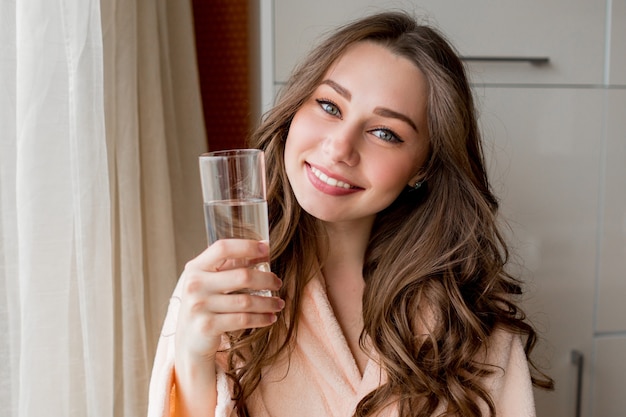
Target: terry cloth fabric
<point x="321" y="379"/>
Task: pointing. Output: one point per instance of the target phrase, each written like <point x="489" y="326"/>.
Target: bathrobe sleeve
<point x="161" y="399"/>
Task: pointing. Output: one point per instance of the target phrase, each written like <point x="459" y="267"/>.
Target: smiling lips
<point x="328" y="180"/>
<point x="329" y="185"/>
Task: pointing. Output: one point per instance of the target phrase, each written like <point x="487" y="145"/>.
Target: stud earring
<point x="418" y="185"/>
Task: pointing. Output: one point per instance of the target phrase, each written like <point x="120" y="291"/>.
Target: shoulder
<point x="509" y="384"/>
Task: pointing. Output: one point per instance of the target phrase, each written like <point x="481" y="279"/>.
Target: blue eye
<point x="329" y="107"/>
<point x="386" y="135"/>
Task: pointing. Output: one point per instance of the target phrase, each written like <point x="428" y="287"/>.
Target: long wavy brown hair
<point x="436" y="259"/>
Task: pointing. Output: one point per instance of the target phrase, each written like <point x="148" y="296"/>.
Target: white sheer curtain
<point x="100" y="128"/>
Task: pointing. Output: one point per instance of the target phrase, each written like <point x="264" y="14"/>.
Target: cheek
<point x="302" y="139"/>
<point x="290" y="158"/>
<point x="295" y="146"/>
<point x="293" y="140"/>
<point x="301" y="130"/>
<point x="396" y="177"/>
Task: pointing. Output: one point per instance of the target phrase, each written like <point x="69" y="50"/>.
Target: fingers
<point x="215" y="295"/>
<point x="244" y="303"/>
<point x="220" y="299"/>
<point x="224" y="267"/>
<point x="232" y="312"/>
<point x="228" y="254"/>
<point x="202" y="283"/>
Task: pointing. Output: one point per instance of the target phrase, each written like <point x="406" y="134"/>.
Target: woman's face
<point x="361" y="137"/>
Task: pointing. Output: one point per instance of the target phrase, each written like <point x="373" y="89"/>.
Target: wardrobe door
<point x="610" y="331"/>
<point x="610" y="377"/>
<point x="544" y="157"/>
<point x="570" y="33"/>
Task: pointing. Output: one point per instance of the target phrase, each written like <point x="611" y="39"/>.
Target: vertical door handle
<point x="578" y="359"/>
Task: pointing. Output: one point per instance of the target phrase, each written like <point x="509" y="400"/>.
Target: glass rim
<point x="231" y="152"/>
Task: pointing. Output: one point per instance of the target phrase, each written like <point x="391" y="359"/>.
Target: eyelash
<point x="395" y="138"/>
<point x="325" y="103"/>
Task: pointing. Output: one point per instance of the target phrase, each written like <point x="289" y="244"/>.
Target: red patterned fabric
<point x="222" y="45"/>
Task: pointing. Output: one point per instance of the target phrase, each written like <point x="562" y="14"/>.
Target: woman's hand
<point x="214" y="300"/>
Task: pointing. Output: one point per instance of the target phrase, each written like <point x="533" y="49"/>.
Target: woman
<point x="389" y="267"/>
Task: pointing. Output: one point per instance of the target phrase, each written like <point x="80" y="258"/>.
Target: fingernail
<point x="264" y="248"/>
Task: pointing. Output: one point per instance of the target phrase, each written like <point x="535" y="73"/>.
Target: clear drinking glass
<point x="234" y="193"/>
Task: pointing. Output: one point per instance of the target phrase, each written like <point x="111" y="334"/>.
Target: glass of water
<point x="234" y="193"/>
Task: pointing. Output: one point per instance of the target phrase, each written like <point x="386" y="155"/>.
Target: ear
<point x="416" y="180"/>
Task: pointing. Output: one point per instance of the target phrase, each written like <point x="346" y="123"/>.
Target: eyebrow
<point x="381" y="111"/>
<point x="339" y="89"/>
<point x="385" y="112"/>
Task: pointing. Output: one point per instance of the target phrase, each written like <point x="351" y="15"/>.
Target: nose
<point x="342" y="144"/>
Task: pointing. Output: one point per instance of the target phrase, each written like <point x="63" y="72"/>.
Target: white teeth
<point x="330" y="181"/>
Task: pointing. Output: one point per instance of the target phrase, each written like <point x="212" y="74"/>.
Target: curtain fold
<point x="100" y="206"/>
<point x="155" y="133"/>
<point x="56" y="224"/>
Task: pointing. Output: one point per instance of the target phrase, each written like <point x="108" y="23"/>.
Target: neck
<point x="347" y="246"/>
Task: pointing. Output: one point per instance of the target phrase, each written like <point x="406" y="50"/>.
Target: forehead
<point x="369" y="50"/>
<point x="374" y="73"/>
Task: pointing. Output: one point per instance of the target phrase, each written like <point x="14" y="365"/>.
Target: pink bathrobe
<point x="322" y="378"/>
